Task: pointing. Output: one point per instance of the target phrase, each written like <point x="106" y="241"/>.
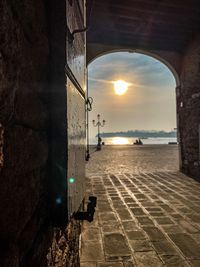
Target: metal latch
<point x="89" y="214"/>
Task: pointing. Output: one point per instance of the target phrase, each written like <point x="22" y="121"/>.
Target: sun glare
<point x="121" y="87"/>
<point x="120" y="141"/>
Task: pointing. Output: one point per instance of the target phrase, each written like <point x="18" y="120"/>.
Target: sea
<point x="130" y="140"/>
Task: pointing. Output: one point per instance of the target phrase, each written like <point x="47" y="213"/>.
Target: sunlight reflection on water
<point x="130" y="140"/>
<point x="120" y="141"/>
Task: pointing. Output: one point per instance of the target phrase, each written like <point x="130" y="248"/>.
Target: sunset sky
<point x="148" y="104"/>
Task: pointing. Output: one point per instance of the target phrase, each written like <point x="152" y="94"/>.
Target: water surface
<point x="130" y="140"/>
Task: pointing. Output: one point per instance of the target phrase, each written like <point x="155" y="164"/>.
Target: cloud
<point x="144" y="69"/>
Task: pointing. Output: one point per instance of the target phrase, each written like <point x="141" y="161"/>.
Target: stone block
<point x="145" y="220"/>
<point x="164" y="247"/>
<point x="110" y="264"/>
<point x="88" y="264"/>
<point x="116" y="245"/>
<point x="107" y="217"/>
<point x="118" y="205"/>
<point x="140" y="245"/>
<point x="174" y="261"/>
<point x="113" y="228"/>
<point x="164" y="220"/>
<point x="188" y="227"/>
<point x="157" y="214"/>
<point x="104" y="207"/>
<point x="194" y="217"/>
<point x="172" y="229"/>
<point x="153" y="209"/>
<point x="154" y="233"/>
<point x="124" y="214"/>
<point x="91" y="234"/>
<point x="92" y="251"/>
<point x="186" y="244"/>
<point x="195" y="263"/>
<point x="147" y="203"/>
<point x="129" y="225"/>
<point x="147" y="259"/>
<point x="167" y="208"/>
<point x="137" y="211"/>
<point x="128" y="264"/>
<point x="196" y="237"/>
<point x="135" y="235"/>
<point x="129" y="200"/>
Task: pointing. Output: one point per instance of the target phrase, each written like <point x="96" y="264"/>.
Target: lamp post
<point x="98" y="124"/>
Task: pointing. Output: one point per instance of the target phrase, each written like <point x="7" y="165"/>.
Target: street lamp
<point x="98" y="125"/>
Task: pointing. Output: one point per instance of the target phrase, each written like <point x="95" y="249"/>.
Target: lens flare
<point x="71" y="180"/>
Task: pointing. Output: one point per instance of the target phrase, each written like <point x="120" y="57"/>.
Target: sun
<point x="120" y="87"/>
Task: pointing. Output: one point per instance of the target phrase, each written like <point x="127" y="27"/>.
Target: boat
<point x="138" y="142"/>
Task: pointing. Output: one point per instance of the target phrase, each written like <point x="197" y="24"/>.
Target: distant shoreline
<point x="140" y="134"/>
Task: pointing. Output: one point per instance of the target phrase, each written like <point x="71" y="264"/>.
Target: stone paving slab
<point x="187" y="245"/>
<point x="135" y="235"/>
<point x="113" y="264"/>
<point x="115" y="245"/>
<point x="149" y="258"/>
<point x="164" y="247"/>
<point x="92" y="251"/>
<point x="140" y="245"/>
<point x="154" y="233"/>
<point x="195" y="263"/>
<point x="143" y="218"/>
<point x="88" y="264"/>
<point x="174" y="261"/>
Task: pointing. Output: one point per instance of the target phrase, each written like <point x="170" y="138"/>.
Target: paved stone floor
<point x="148" y="214"/>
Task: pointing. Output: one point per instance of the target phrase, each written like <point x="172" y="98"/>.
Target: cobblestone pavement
<point x="147" y="212"/>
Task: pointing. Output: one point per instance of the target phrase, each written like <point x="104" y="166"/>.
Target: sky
<point x="148" y="104"/>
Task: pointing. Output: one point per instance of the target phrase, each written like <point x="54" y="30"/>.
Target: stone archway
<point x="172" y="36"/>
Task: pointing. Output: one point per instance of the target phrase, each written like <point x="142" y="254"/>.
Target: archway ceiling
<point x="143" y="24"/>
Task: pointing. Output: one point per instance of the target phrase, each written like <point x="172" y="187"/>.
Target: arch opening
<point x="143" y="107"/>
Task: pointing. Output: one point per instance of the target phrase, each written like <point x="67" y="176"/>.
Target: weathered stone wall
<point x="32" y="119"/>
<point x="188" y="105"/>
<point x="24" y="53"/>
<point x="64" y="250"/>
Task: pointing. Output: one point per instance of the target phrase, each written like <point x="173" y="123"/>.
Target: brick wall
<point x="189" y="109"/>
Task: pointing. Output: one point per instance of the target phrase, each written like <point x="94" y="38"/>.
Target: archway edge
<point x="171" y="59"/>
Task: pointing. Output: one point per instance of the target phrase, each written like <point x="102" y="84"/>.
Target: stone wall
<point x="32" y="119"/>
<point x="64" y="250"/>
<point x="24" y="53"/>
<point x="188" y="105"/>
